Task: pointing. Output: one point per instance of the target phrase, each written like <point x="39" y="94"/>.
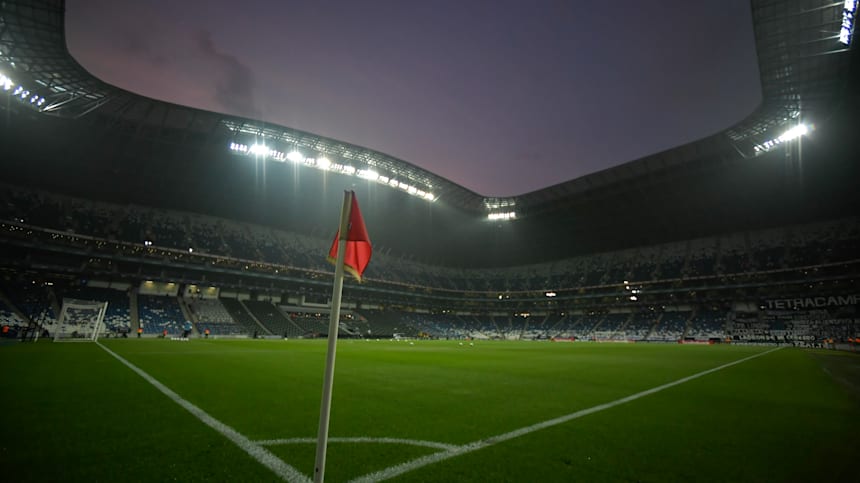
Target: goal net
<point x="80" y="320"/>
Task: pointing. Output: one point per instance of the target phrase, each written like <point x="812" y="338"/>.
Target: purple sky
<point x="502" y="97"/>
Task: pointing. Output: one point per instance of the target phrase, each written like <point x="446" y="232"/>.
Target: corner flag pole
<point x="337" y="289"/>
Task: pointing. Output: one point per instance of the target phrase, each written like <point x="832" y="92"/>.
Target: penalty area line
<point x="259" y="453"/>
<point x="397" y="470"/>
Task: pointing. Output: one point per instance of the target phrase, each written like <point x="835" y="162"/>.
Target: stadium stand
<point x="9" y="317"/>
<point x="641" y="323"/>
<point x="709" y="323"/>
<point x="714" y="240"/>
<point x="670" y="326"/>
<point x="33" y="299"/>
<point x="274" y="322"/>
<point x="160" y="313"/>
<point x="241" y="316"/>
<point x="212" y="315"/>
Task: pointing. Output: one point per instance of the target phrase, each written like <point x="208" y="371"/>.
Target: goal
<point x="80" y="321"/>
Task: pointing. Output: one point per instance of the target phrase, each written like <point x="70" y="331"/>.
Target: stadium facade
<point x="101" y="184"/>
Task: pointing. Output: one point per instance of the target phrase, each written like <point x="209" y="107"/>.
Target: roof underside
<point x="109" y="144"/>
<point x="801" y="64"/>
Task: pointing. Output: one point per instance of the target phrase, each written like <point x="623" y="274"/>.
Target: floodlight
<point x="789" y="135"/>
<point x="849" y="11"/>
<point x="794" y="133"/>
<point x="295" y="156"/>
<point x="510" y="215"/>
<point x="5" y="82"/>
<point x="368" y="174"/>
<point x="323" y="163"/>
<point x="259" y="150"/>
<point x="551" y="294"/>
<point x="634" y="298"/>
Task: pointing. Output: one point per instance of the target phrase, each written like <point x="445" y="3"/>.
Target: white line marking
<point x="397" y="470"/>
<point x="256" y="451"/>
<point x="360" y="439"/>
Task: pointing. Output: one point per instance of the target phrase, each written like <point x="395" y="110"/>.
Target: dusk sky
<point x="502" y="97"/>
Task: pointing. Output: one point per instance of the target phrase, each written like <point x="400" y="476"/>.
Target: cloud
<point x="135" y="44"/>
<point x="234" y="81"/>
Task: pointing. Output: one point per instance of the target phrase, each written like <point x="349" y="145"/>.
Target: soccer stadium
<point x="692" y="315"/>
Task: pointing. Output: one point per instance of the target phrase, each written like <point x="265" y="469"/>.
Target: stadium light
<point x="849" y="12"/>
<point x="789" y="135"/>
<point x="550" y="294"/>
<point x="6" y="82"/>
<point x="241" y="148"/>
<point x="496" y="203"/>
<point x="634" y="298"/>
<point x="326" y="164"/>
<point x="259" y="149"/>
<point x="368" y="174"/>
<point x="794" y="133"/>
<point x="510" y="215"/>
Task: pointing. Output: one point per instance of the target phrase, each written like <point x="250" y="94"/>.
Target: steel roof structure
<point x="801" y="63"/>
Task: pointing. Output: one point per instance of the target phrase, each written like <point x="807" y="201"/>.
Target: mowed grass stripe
<point x="72" y="413"/>
<point x="484" y="443"/>
<point x="262" y="455"/>
<point x="777" y="418"/>
<point x="433" y="391"/>
<point x="69" y="402"/>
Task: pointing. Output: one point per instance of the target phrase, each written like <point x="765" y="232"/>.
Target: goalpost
<point x="80" y="321"/>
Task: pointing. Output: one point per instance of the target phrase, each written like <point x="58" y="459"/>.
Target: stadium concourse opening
<point x="492" y="314"/>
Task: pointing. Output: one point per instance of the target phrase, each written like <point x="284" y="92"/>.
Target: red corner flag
<point x="358" y="249"/>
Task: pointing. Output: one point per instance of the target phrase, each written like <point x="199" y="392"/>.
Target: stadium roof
<point x="801" y="60"/>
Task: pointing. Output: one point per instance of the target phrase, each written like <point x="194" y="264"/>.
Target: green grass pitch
<point x="72" y="412"/>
